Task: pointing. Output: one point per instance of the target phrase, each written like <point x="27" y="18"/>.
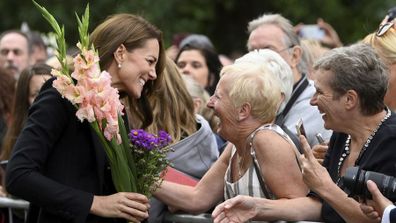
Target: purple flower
<point x="147" y="141"/>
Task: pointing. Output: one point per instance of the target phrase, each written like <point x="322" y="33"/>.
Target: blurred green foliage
<point x="224" y="21"/>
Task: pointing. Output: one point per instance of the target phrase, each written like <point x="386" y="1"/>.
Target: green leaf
<point x="60" y="37"/>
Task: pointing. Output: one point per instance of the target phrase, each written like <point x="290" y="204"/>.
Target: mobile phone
<point x="319" y="138"/>
<point x="311" y="32"/>
<point x="300" y="128"/>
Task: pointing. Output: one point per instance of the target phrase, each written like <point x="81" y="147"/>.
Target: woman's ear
<point x="119" y="54"/>
<point x="351" y="99"/>
<point x="244" y="111"/>
<point x="197" y="104"/>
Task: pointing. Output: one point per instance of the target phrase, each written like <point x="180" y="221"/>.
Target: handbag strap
<point x="280" y="119"/>
<point x="256" y="165"/>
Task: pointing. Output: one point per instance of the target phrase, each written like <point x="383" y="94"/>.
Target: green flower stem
<point x="122" y="175"/>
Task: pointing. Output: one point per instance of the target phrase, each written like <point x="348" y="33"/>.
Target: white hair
<point x="277" y="66"/>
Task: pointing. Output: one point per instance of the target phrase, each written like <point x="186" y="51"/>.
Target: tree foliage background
<point x="224" y="21"/>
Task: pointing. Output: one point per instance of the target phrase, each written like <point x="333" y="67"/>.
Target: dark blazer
<point x="57" y="163"/>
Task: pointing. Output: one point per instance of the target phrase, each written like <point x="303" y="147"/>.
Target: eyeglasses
<point x="384" y="28"/>
<point x="287" y="48"/>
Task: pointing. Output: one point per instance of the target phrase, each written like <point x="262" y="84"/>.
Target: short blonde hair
<point x="254" y="84"/>
<point x="276" y="66"/>
<point x="384" y="45"/>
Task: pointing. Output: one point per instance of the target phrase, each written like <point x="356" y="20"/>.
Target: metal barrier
<point x="11" y="204"/>
<point x="188" y="218"/>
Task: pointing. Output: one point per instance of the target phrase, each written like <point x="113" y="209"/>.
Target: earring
<point x="119" y="66"/>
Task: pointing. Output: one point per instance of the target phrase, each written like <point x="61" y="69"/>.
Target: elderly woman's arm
<point x="204" y="195"/>
<point x="243" y="208"/>
<point x="279" y="166"/>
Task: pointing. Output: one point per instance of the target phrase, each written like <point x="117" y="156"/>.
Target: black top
<point x="58" y="163"/>
<point x="380" y="156"/>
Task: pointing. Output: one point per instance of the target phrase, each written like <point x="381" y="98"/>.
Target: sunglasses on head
<point x="384" y="28"/>
<point x="387" y="23"/>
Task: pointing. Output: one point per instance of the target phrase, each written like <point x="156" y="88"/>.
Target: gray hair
<point x="277" y="67"/>
<point x="357" y="67"/>
<point x="290" y="38"/>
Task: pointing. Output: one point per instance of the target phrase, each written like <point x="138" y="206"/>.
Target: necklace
<point x="369" y="139"/>
<point x="240" y="165"/>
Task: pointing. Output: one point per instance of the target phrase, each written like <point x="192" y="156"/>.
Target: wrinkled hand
<point x="319" y="151"/>
<point x="131" y="206"/>
<point x="315" y="176"/>
<point x="374" y="208"/>
<point x="238" y="209"/>
<point x="331" y="37"/>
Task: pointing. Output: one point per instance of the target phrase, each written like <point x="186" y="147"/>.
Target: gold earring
<point x="119" y="65"/>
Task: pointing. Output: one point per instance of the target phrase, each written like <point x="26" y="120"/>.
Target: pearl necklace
<point x="369" y="139"/>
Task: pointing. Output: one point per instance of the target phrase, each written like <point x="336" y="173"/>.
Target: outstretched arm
<point x="244" y="208"/>
<point x="204" y="195"/>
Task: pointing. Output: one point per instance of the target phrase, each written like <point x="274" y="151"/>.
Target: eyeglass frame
<point x="384" y="27"/>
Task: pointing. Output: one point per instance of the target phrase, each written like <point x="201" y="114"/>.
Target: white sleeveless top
<point x="249" y="183"/>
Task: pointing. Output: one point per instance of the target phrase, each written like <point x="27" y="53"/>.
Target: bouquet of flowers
<point x="89" y="90"/>
<point x="150" y="152"/>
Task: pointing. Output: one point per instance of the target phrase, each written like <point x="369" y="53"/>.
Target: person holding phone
<point x="351" y="83"/>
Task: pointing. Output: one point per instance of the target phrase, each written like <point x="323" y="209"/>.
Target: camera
<point x="355" y="182"/>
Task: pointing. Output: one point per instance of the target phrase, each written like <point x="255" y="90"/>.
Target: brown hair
<point x="132" y="31"/>
<point x="21" y="106"/>
<point x="173" y="106"/>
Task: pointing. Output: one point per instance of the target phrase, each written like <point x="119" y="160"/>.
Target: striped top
<point x="249" y="184"/>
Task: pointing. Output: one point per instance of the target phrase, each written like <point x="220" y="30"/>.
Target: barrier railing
<point x="11" y="204"/>
<point x="187" y="218"/>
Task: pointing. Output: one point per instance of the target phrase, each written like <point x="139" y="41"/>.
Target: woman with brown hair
<point x="28" y="86"/>
<point x="61" y="159"/>
<point x="7" y="88"/>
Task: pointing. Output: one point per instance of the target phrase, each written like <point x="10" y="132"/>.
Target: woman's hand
<point x="374" y="208"/>
<point x="315" y="176"/>
<point x="238" y="209"/>
<point x="131" y="206"/>
<point x="319" y="151"/>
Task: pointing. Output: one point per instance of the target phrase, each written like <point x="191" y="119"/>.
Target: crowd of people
<point x="233" y="125"/>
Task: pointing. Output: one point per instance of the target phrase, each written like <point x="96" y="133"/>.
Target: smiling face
<point x="330" y="107"/>
<point x="137" y="68"/>
<point x="223" y="108"/>
<point x="193" y="63"/>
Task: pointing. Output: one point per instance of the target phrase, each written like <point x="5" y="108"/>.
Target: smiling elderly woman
<point x="246" y="101"/>
<point x="350" y="86"/>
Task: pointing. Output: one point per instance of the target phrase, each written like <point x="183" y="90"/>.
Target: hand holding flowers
<point x="89" y="90"/>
